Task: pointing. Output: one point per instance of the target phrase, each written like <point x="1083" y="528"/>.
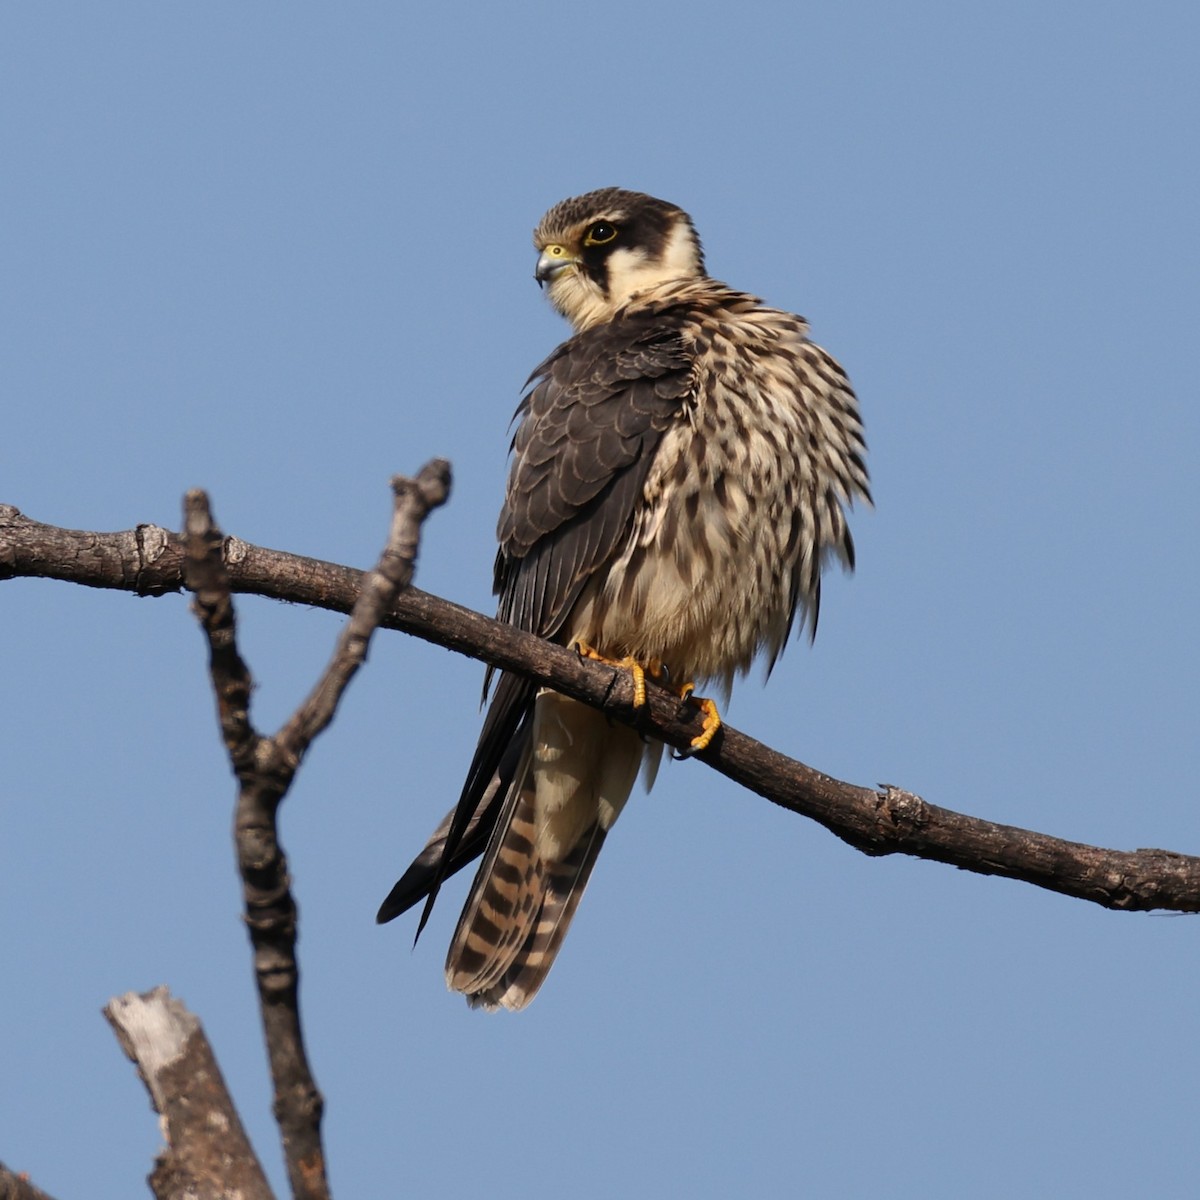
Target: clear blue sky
<point x="283" y="251"/>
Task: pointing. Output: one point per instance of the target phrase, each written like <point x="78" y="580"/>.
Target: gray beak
<point x="550" y="262"/>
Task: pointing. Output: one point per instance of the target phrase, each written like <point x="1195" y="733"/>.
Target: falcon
<point x="680" y="476"/>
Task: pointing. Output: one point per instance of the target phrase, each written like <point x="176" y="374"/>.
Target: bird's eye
<point x="600" y="234"/>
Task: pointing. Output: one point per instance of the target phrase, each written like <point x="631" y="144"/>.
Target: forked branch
<point x="265" y="767"/>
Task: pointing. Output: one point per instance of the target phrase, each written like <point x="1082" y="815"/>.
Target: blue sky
<point x="282" y="252"/>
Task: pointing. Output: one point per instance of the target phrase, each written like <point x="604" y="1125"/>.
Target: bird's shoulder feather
<point x="589" y="424"/>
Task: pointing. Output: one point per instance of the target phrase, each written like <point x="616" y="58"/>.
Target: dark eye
<point x="600" y="234"/>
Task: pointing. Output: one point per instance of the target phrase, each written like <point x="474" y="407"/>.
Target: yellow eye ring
<point x="600" y="234"/>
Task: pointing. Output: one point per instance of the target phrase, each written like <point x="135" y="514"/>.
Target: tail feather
<point x="573" y="781"/>
<point x="563" y="884"/>
<point x="518" y="912"/>
<point x="503" y="904"/>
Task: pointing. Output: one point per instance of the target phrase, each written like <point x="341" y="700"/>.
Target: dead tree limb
<point x="16" y="1186"/>
<point x="207" y="1155"/>
<point x="265" y="768"/>
<point x="148" y="561"/>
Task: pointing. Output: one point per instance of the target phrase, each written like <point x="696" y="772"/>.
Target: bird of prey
<point x="680" y="475"/>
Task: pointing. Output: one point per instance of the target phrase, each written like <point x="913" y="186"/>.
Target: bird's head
<point x="599" y="250"/>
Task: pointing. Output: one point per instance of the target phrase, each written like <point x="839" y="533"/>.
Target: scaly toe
<point x="712" y="723"/>
<point x="639" y="682"/>
<point x="635" y="669"/>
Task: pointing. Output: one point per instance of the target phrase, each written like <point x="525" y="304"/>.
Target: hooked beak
<point x="552" y="260"/>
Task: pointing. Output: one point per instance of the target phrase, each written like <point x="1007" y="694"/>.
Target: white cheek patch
<point x="680" y="257"/>
<point x="631" y="271"/>
<point x="625" y="269"/>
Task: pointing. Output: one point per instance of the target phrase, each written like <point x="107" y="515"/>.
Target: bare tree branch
<point x="415" y="499"/>
<point x="148" y="561"/>
<point x="264" y="772"/>
<point x="207" y="1155"/>
<point x="14" y="1186"/>
<point x="265" y="768"/>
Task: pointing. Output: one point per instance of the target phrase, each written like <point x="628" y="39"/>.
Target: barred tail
<point x="575" y="780"/>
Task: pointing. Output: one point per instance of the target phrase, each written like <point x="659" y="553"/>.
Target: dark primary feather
<point x="456" y="842"/>
<point x="589" y="427"/>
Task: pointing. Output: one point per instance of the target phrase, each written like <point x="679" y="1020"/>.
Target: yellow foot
<point x="637" y="670"/>
<point x="712" y="721"/>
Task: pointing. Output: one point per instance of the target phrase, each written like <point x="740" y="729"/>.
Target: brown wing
<point x="589" y="427"/>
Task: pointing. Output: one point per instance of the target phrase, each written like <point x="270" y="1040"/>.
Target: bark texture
<point x="889" y="820"/>
<point x="207" y="1154"/>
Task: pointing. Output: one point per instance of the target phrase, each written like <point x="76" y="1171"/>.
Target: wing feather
<point x="590" y="422"/>
<point x="590" y="425"/>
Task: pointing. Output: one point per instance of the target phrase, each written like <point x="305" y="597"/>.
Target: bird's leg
<point x="712" y="721"/>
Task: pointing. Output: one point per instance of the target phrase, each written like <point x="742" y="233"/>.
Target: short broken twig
<point x="16" y="1186"/>
<point x="415" y="500"/>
